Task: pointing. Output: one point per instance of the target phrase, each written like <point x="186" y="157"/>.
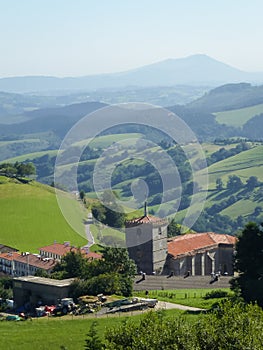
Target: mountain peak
<point x="198" y="69"/>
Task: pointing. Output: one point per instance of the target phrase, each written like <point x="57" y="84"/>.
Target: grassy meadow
<point x="30" y="217"/>
<point x="238" y="117"/>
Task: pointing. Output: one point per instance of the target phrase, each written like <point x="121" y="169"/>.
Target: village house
<point x="24" y="264"/>
<point x="14" y="263"/>
<point x="58" y="250"/>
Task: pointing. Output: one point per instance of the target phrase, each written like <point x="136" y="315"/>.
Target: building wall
<point x="7" y="266"/>
<point x="204" y="262"/>
<point x="147" y="246"/>
<point x="159" y="248"/>
<point x="27" y="292"/>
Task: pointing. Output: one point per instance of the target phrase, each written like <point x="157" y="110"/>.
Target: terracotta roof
<point x="191" y="242"/>
<point x="36" y="261"/>
<point x="57" y="248"/>
<point x="146" y="219"/>
<point x="9" y="256"/>
<point x="92" y="255"/>
<point x="62" y="249"/>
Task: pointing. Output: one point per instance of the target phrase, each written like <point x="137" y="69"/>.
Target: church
<point x="192" y="253"/>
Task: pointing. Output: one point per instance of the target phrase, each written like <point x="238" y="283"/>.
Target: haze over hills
<point x="192" y="70"/>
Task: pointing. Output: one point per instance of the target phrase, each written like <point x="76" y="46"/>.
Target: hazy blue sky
<point x="81" y="37"/>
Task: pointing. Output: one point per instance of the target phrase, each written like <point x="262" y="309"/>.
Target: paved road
<point x="89" y="235"/>
<point x="163" y="305"/>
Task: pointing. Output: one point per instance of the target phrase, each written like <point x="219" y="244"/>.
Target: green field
<point x="193" y="298"/>
<point x="30" y="217"/>
<point x="54" y="333"/>
<point x="238" y="117"/>
<point x="244" y="165"/>
<point x="30" y="156"/>
<point x="107" y="140"/>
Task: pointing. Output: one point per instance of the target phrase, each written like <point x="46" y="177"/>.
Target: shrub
<point x="219" y="293"/>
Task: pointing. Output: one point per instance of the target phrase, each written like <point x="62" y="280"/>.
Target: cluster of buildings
<point x="18" y="264"/>
<point x="196" y="254"/>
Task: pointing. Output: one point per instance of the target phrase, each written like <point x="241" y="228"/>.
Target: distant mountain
<point x="192" y="70"/>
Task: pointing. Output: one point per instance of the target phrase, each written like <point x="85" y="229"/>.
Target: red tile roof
<point x="9" y="256"/>
<point x="62" y="249"/>
<point x="192" y="242"/>
<point x="57" y="248"/>
<point x="36" y="261"/>
<point x="146" y="219"/>
<point x="92" y="255"/>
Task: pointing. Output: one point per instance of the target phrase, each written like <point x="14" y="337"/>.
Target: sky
<point x="83" y="37"/>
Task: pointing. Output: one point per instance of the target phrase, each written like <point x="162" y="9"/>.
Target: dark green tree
<point x="252" y="182"/>
<point x="230" y="326"/>
<point x="82" y="196"/>
<point x="219" y="184"/>
<point x="93" y="341"/>
<point x="25" y="169"/>
<point x="248" y="264"/>
<point x="73" y="264"/>
<point x="109" y="212"/>
<point x="234" y="183"/>
<point x="173" y="229"/>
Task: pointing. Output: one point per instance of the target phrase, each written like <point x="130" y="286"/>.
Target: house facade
<point x="200" y="254"/>
<point x="24" y="264"/>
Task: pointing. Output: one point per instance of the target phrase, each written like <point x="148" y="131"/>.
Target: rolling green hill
<point x="238" y="117"/>
<point x="30" y="217"/>
<point x="225" y="202"/>
<point x="244" y="165"/>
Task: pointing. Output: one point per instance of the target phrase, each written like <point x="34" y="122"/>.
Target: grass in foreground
<point x="54" y="333"/>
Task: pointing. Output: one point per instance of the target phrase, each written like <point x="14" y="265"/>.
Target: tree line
<point x="17" y="169"/>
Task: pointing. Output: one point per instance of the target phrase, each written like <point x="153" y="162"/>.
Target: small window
<point x="160" y="231"/>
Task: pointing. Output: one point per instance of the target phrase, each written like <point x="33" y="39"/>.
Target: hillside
<point x="30" y="217"/>
<point x="57" y="120"/>
<point x="231" y="110"/>
<point x="238" y="117"/>
<point x="228" y="97"/>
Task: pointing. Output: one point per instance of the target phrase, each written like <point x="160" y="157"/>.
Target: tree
<point x="82" y="196"/>
<point x="25" y="169"/>
<point x="111" y="213"/>
<point x="234" y="183"/>
<point x="93" y="341"/>
<point x="73" y="264"/>
<point x="173" y="229"/>
<point x="219" y="184"/>
<point x="248" y="263"/>
<point x="112" y="274"/>
<point x="229" y="326"/>
<point x="252" y="182"/>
